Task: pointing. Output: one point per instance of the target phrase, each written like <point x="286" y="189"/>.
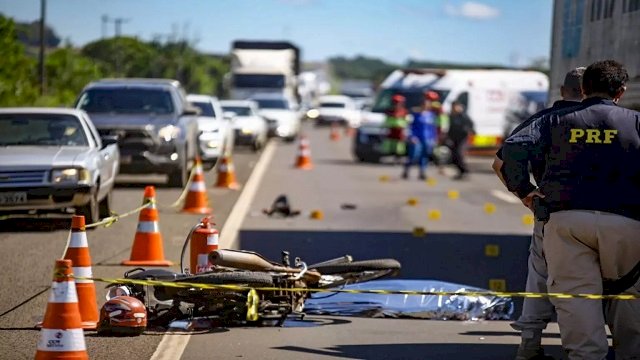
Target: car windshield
<point x="529" y="102"/>
<point x="238" y="110"/>
<point x="206" y="109"/>
<point x="126" y="101"/>
<point x="332" y="105"/>
<point x="258" y="81"/>
<point x="272" y="103"/>
<point x="414" y="97"/>
<point x="41" y="129"/>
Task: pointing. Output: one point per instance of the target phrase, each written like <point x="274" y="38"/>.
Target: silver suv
<point x="156" y="125"/>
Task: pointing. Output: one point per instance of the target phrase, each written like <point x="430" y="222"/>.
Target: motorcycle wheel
<point x="357" y="271"/>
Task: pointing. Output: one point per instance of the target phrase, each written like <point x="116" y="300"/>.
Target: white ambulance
<point x="488" y="95"/>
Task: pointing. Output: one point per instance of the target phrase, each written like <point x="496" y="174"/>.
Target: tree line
<point x="69" y="69"/>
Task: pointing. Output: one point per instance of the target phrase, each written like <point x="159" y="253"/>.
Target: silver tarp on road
<point x="450" y="307"/>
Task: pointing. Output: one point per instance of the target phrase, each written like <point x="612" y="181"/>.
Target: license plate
<point x="125" y="159"/>
<point x="12" y="198"/>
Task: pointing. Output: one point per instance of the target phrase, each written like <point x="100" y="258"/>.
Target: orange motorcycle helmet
<point x="122" y="316"/>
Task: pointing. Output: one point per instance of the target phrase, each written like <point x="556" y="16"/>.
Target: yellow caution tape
<point x="185" y="191"/>
<point x="356" y="291"/>
<point x="115" y="217"/>
<point x="252" y="305"/>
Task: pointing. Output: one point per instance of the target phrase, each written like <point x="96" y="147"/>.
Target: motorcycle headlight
<point x="169" y="132"/>
<point x="60" y="176"/>
<point x="247" y="131"/>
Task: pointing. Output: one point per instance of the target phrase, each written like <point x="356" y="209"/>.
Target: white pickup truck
<point x="53" y="160"/>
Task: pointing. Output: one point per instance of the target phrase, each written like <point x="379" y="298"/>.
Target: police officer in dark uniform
<point x="538" y="312"/>
<point x="591" y="190"/>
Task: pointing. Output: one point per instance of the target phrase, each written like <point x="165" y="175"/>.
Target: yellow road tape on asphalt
<point x="356" y="291"/>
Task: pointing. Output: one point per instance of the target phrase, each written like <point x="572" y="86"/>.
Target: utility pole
<point x="118" y="25"/>
<point x="119" y="22"/>
<point x="105" y="21"/>
<point x="41" y="68"/>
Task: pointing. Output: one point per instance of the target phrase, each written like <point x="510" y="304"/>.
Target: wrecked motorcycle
<point x="281" y="287"/>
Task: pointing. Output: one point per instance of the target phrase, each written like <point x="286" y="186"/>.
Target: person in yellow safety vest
<point x="396" y="124"/>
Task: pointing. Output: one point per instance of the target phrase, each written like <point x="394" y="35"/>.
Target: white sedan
<point x="281" y="114"/>
<point x="338" y="109"/>
<point x="250" y="128"/>
<point x="54" y="160"/>
<point x="216" y="131"/>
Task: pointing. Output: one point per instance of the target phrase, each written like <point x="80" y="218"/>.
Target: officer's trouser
<point x="536" y="312"/>
<point x="582" y="247"/>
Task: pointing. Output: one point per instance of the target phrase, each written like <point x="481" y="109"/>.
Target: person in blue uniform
<point x="422" y="137"/>
<point x="589" y="201"/>
<point x="538" y="312"/>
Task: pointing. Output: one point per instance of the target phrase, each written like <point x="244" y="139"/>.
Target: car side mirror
<point x="109" y="140"/>
<point x="193" y="111"/>
<point x="229" y="115"/>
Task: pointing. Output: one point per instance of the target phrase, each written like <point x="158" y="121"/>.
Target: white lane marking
<point x="505" y="196"/>
<point x="229" y="232"/>
<point x="172" y="345"/>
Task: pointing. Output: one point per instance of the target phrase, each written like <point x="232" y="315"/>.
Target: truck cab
<point x="263" y="67"/>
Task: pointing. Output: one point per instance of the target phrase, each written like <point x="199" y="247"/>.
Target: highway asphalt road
<point x="366" y="214"/>
<point x="30" y="247"/>
<point x="474" y="234"/>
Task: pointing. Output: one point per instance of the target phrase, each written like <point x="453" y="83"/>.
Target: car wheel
<point x="257" y="144"/>
<point x="104" y="207"/>
<point x="209" y="164"/>
<point x="178" y="177"/>
<point x="90" y="210"/>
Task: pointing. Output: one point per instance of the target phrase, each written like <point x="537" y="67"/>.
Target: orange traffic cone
<point x="334" y="135"/>
<point x="227" y="174"/>
<point x="147" y="247"/>
<point x="197" y="201"/>
<point x="304" y="155"/>
<point x="78" y="253"/>
<point x="61" y="336"/>
<point x="349" y="131"/>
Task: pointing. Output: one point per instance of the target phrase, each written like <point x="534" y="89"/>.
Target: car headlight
<point x="169" y="132"/>
<point x="211" y="130"/>
<point x="60" y="176"/>
<point x="283" y="130"/>
<point x="313" y="113"/>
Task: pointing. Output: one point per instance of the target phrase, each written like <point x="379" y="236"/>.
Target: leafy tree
<point x="123" y="57"/>
<point x="17" y="76"/>
<point x="361" y="67"/>
<point x="29" y="34"/>
<point x="67" y="73"/>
